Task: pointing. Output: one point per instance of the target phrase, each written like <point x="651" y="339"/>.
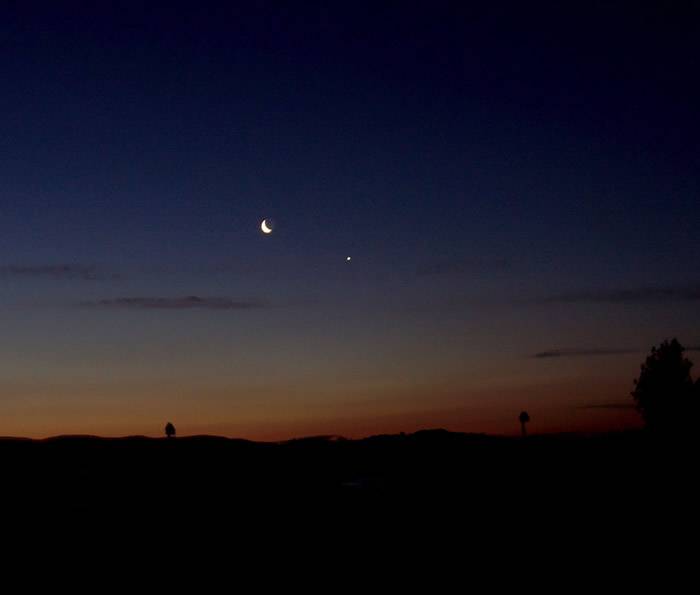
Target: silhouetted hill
<point x="430" y="470"/>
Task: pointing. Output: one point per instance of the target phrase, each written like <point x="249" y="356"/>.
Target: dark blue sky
<point x="508" y="179"/>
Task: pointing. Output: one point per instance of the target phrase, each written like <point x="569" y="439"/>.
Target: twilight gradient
<point x="517" y="187"/>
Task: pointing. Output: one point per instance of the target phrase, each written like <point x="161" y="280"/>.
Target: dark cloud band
<point x="55" y="271"/>
<point x="177" y="303"/>
<point x="639" y="295"/>
<point x="582" y="352"/>
<point x="607" y="406"/>
<point x="462" y="266"/>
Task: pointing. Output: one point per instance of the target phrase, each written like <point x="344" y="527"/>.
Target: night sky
<point x="517" y="185"/>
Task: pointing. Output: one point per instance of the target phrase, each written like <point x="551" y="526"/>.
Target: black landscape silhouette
<point x="210" y="475"/>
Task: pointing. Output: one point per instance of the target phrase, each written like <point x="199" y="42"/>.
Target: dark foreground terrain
<point x="433" y="504"/>
<point x="429" y="474"/>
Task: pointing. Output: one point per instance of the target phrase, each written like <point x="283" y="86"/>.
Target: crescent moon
<point x="264" y="227"/>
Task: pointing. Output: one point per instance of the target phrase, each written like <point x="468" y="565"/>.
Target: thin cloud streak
<point x="639" y="295"/>
<point x="79" y="272"/>
<point x="552" y="353"/>
<point x="191" y="302"/>
<point x="461" y="266"/>
<point x="607" y="406"/>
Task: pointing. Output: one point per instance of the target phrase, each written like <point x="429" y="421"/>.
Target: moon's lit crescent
<point x="264" y="227"/>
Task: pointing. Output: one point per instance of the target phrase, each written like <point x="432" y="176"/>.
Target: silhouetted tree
<point x="664" y="393"/>
<point x="524" y="418"/>
<point x="170" y="430"/>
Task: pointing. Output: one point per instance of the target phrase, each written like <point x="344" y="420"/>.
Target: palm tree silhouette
<point x="524" y="418"/>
